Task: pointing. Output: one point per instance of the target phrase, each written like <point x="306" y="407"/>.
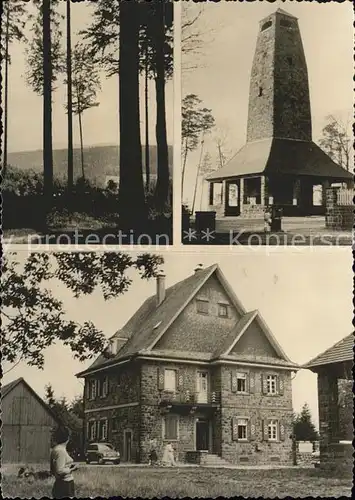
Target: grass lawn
<point x="182" y="482"/>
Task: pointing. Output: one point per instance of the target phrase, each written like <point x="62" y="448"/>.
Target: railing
<point x="190" y="397"/>
<point x="345" y="196"/>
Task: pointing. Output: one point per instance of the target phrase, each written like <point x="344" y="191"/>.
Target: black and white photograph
<point x="267" y="123"/>
<point x="177" y="216"/>
<point x="178" y="375"/>
<point x="87" y="100"/>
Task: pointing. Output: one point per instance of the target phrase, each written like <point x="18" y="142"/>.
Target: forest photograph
<point x="87" y="136"/>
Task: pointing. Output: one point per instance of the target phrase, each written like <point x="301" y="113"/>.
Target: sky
<point x="222" y="66"/>
<point x="304" y="296"/>
<point x="100" y="124"/>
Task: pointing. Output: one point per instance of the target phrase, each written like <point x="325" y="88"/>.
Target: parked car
<point x="102" y="453"/>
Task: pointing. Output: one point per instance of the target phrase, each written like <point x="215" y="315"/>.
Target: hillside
<point x="100" y="161"/>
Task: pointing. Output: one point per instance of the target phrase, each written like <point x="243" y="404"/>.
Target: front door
<point x="202" y="387"/>
<point x="232" y="198"/>
<point x="128" y="446"/>
<point x="202" y="434"/>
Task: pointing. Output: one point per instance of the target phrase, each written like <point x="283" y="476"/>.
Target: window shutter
<point x="282" y="433"/>
<point x="105" y="387"/>
<point x="234" y="429"/>
<point x="251" y="430"/>
<point x="87" y="389"/>
<point x="263" y="383"/>
<point x="281" y="384"/>
<point x="95" y="388"/>
<point x="160" y="379"/>
<point x="265" y="430"/>
<point x="180" y="380"/>
<point x="251" y="380"/>
<point x="234" y="380"/>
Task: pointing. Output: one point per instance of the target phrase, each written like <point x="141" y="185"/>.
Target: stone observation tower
<point x="279" y="163"/>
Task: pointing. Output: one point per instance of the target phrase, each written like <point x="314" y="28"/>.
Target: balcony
<point x="189" y="401"/>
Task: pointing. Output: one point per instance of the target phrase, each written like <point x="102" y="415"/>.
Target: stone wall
<point x="123" y="386"/>
<point x="257" y="407"/>
<point x="206" y="331"/>
<point x="338" y="214"/>
<point x="337" y="457"/>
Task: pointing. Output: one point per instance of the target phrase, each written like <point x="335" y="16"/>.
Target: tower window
<point x="261" y="90"/>
<point x="290" y="61"/>
<point x="285" y="23"/>
<point x="266" y="25"/>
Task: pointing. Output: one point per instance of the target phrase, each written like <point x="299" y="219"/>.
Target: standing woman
<point x="62" y="466"/>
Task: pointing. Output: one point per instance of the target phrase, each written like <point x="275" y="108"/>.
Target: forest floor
<point x="179" y="482"/>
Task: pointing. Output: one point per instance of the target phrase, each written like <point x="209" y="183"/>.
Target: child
<point x="62" y="466"/>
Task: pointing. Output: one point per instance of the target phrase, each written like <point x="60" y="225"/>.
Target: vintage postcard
<point x="177" y="375"/>
<point x="87" y="121"/>
<point x="267" y="123"/>
<point x="133" y="363"/>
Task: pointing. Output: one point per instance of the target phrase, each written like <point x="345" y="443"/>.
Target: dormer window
<point x="202" y="306"/>
<point x="266" y="25"/>
<point x="223" y="310"/>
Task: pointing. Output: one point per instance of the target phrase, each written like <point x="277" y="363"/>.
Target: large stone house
<point x="194" y="368"/>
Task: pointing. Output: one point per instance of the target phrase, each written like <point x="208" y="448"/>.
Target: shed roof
<point x="339" y="352"/>
<point x="281" y="156"/>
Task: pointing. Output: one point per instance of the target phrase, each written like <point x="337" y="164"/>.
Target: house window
<point x="103" y="387"/>
<point x="170" y="380"/>
<point x="92" y="430"/>
<point x="202" y="306"/>
<point x="92" y="389"/>
<point x="171" y="427"/>
<point x="272" y="430"/>
<point x="271" y="381"/>
<point x="102" y="430"/>
<point x="223" y="310"/>
<point x="242" y="429"/>
<point x="241" y="382"/>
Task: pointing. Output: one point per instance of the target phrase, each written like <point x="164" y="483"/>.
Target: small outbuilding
<point x="335" y="401"/>
<point x="27" y="423"/>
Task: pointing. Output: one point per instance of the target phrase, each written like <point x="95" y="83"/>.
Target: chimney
<point x="160" y="288"/>
<point x="198" y="268"/>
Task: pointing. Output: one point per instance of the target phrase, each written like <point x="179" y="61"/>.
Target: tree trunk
<point x="131" y="201"/>
<point x="197" y="175"/>
<point x="183" y="168"/>
<point x="162" y="187"/>
<point x="6" y="87"/>
<point x="70" y="104"/>
<point x="81" y="146"/>
<point x="147" y="158"/>
<point x="47" y="106"/>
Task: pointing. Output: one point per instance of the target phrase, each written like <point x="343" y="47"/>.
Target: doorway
<point x="232" y="198"/>
<point x="202" y="434"/>
<point x="127" y="446"/>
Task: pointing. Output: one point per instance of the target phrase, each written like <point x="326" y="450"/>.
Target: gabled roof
<point x="339" y="352"/>
<point x="268" y="156"/>
<point x="149" y="323"/>
<point x="6" y="389"/>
